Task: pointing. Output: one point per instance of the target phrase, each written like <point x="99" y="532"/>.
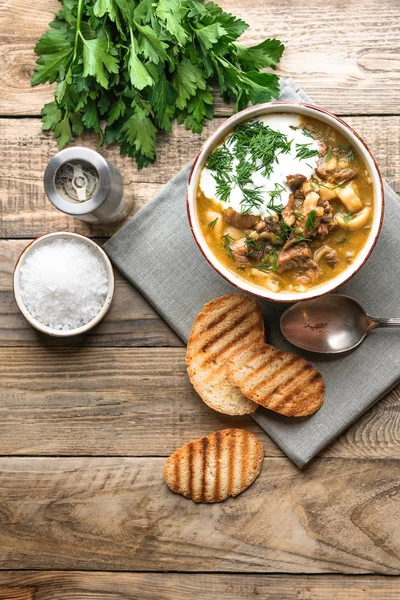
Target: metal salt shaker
<point x="81" y="183"/>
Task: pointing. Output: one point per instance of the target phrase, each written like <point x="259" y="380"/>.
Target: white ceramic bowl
<point x="17" y="291"/>
<point x="307" y="111"/>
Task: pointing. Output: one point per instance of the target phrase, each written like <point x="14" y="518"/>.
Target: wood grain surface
<point x="61" y="585"/>
<point x="84" y="429"/>
<point x="136" y="402"/>
<point x="345" y="54"/>
<point x="117" y="514"/>
<point x="25" y="212"/>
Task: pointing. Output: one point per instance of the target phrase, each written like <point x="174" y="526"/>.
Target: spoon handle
<point x="384" y="323"/>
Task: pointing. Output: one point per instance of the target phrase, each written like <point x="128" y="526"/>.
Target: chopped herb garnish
<point x="308" y="165"/>
<point x="220" y="160"/>
<point x="297" y="215"/>
<point x="308" y="133"/>
<point x="351" y="155"/>
<point x="303" y="151"/>
<point x="310" y="222"/>
<point x="273" y="195"/>
<point x="286" y="147"/>
<point x="226" y="244"/>
<point x="251" y="243"/>
<point x="259" y="144"/>
<point x="300" y="238"/>
<point x="243" y="174"/>
<point x="252" y="198"/>
<point x="212" y="224"/>
<point x="270" y="262"/>
<point x="223" y="186"/>
<point x="329" y="154"/>
<point x="346" y="216"/>
<point x="285" y="229"/>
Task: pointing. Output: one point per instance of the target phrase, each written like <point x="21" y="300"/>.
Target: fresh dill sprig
<point x="303" y="151"/>
<point x="284" y="230"/>
<point x="301" y="238"/>
<point x="308" y="133"/>
<point x="351" y="155"/>
<point x="251" y="243"/>
<point x="346" y="216"/>
<point x="329" y="154"/>
<point x="261" y="143"/>
<point x="220" y="160"/>
<point x="310" y="222"/>
<point x="273" y="195"/>
<point x="297" y="215"/>
<point x="286" y="147"/>
<point x="252" y="198"/>
<point x="212" y="224"/>
<point x="327" y="187"/>
<point x="226" y="244"/>
<point x="269" y="262"/>
<point x="223" y="186"/>
<point x="243" y="174"/>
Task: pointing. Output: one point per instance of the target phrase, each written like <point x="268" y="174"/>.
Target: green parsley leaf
<point x="56" y="53"/>
<point x="138" y="74"/>
<point x="210" y="34"/>
<point x="140" y="132"/>
<point x="150" y="45"/>
<point x="171" y="13"/>
<point x="96" y="58"/>
<point x="146" y="63"/>
<point x="266" y="54"/>
<point x="51" y="115"/>
<point x="187" y="80"/>
<point x="62" y="132"/>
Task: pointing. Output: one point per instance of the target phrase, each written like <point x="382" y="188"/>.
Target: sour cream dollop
<point x="285" y="164"/>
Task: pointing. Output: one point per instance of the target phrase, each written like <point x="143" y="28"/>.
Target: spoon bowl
<point x="330" y="324"/>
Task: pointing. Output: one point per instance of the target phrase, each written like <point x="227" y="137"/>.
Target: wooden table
<point x="85" y="426"/>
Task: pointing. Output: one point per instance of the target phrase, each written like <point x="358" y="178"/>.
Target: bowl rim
<point x="45" y="328"/>
<point x="255" y="290"/>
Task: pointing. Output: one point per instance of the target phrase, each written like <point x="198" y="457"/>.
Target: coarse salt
<point x="63" y="283"/>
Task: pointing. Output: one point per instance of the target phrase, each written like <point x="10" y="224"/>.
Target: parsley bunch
<point x="126" y="69"/>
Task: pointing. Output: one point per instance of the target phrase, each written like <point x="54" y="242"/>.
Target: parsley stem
<point x="78" y="27"/>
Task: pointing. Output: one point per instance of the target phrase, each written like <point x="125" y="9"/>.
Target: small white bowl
<point x="17" y="290"/>
<point x="308" y="111"/>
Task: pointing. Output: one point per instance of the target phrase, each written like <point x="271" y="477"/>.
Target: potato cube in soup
<point x="349" y="198"/>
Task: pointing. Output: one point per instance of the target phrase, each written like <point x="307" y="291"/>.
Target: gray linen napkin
<point x="177" y="280"/>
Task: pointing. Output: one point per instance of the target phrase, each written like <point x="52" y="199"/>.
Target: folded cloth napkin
<point x="157" y="253"/>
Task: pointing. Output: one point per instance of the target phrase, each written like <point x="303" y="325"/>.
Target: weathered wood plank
<point x="348" y="69"/>
<point x="136" y="402"/>
<point x="59" y="585"/>
<point x="117" y="514"/>
<point x="25" y="211"/>
<point x="102" y="401"/>
<point x="131" y="321"/>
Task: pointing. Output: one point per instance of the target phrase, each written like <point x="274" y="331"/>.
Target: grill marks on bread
<point x="225" y="325"/>
<point x="215" y="467"/>
<point x="280" y="381"/>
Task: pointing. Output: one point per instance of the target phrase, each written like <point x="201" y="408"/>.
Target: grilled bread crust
<point x="280" y="381"/>
<point x="222" y="328"/>
<point x="215" y="467"/>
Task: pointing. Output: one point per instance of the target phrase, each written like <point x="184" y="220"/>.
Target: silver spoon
<point x="330" y="324"/>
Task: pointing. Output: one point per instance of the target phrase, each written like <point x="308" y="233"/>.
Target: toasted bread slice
<point x="277" y="380"/>
<point x="224" y="325"/>
<point x="215" y="467"/>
